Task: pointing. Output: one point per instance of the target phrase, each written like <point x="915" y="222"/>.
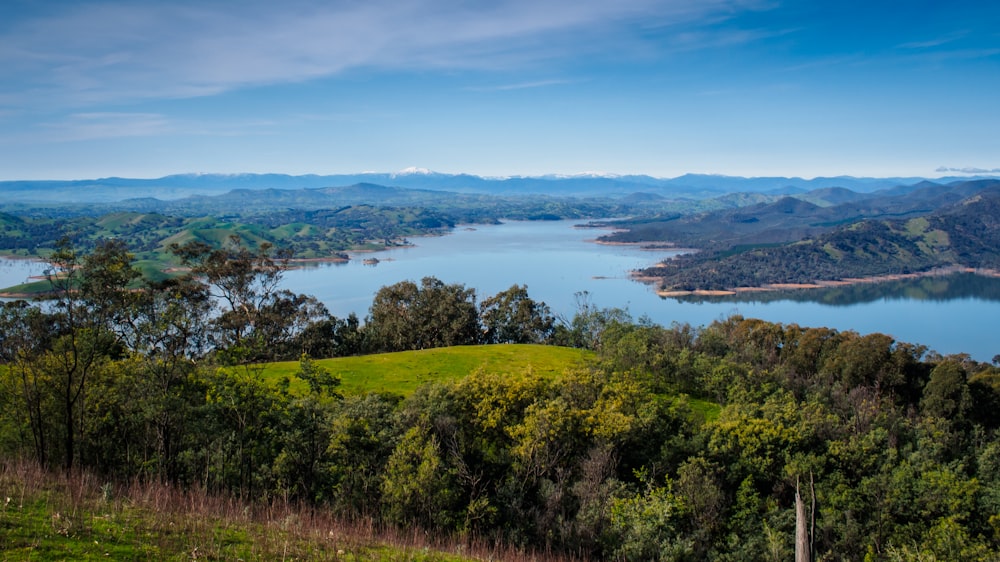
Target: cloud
<point x="969" y="170"/>
<point x="936" y="42"/>
<point x="521" y="86"/>
<point x="123" y="50"/>
<point x="106" y="125"/>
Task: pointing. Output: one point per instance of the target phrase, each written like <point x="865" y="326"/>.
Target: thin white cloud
<point x="106" y="125"/>
<point x="705" y="38"/>
<point x="969" y="170"/>
<point x="100" y="51"/>
<point x="520" y="86"/>
<point x="932" y="43"/>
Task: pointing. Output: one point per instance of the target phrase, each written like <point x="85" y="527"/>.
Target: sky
<point x="146" y="88"/>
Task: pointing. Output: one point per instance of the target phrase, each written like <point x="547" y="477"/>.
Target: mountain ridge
<point x="960" y="234"/>
<point x="698" y="186"/>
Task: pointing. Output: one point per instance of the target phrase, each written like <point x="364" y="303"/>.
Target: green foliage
<point x="652" y="443"/>
<point x="417" y="488"/>
<point x="406" y="316"/>
<point x="649" y="526"/>
<point x="511" y="316"/>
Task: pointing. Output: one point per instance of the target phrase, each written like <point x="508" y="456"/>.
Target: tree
<point x="302" y="466"/>
<point x="588" y="324"/>
<point x="511" y="316"/>
<point x="106" y="277"/>
<point x="258" y="320"/>
<point x="649" y="526"/>
<point x="418" y="485"/>
<point x="947" y="394"/>
<point x="25" y="333"/>
<point x="363" y="435"/>
<point x="90" y="299"/>
<point x="169" y="337"/>
<point x="406" y="316"/>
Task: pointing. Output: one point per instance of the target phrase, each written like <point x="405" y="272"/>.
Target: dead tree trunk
<point x="802" y="553"/>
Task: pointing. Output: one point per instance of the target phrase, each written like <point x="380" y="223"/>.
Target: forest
<point x="671" y="443"/>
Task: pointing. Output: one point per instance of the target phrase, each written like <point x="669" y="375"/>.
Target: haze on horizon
<point x="512" y="87"/>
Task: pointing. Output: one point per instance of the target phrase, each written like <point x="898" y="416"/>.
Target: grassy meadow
<point x="402" y="372"/>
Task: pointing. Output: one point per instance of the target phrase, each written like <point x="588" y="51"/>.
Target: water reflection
<point x="938" y="288"/>
<point x="18" y="271"/>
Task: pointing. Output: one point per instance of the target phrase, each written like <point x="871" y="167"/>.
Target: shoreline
<point x="846" y="281"/>
<point x="18" y="296"/>
<point x="650" y="246"/>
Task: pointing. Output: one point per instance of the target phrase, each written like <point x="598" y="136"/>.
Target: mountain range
<point x="689" y="186"/>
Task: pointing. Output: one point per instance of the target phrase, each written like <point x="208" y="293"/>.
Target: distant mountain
<point x="830" y="196"/>
<point x="691" y="186"/>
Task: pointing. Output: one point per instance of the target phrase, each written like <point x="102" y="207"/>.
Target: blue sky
<point x="145" y="88"/>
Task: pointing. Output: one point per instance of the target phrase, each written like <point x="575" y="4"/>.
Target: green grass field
<point x="401" y="373"/>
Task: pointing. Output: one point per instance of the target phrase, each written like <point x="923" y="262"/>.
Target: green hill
<point x="962" y="235"/>
<point x="402" y="372"/>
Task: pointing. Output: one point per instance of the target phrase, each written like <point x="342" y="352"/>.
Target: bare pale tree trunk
<point x="812" y="515"/>
<point x="802" y="553"/>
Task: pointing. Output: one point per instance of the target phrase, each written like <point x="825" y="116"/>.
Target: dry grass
<point x="58" y="516"/>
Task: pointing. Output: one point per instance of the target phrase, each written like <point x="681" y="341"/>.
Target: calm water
<point x="15" y="272"/>
<point x="556" y="261"/>
<point x="958" y="314"/>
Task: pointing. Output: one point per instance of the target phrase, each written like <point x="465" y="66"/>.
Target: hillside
<point x="786" y="219"/>
<point x="962" y="235"/>
<point x="149" y="235"/>
<point x="402" y="372"/>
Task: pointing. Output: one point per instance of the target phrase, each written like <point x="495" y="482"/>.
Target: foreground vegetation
<point x="81" y="516"/>
<point x="666" y="443"/>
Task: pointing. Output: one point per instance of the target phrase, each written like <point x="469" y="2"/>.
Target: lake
<point x="955" y="314"/>
<point x="556" y="261"/>
<point x="17" y="271"/>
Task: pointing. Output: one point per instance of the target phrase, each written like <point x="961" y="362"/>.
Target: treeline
<point x="677" y="443"/>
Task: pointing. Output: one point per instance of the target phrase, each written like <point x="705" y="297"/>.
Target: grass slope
<point x="402" y="372"/>
<point x="48" y="516"/>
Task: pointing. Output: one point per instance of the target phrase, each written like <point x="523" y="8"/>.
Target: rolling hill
<point x="793" y="218"/>
<point x="965" y="234"/>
